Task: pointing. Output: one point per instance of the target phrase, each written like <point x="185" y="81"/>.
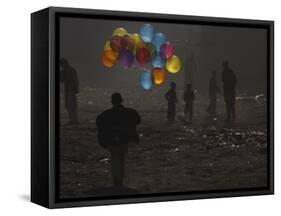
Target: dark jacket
<point x="188" y="96"/>
<point x="229" y="80"/>
<point x="117" y="126"/>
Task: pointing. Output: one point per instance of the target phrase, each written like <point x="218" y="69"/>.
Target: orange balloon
<point x="109" y="58"/>
<point x="158" y="75"/>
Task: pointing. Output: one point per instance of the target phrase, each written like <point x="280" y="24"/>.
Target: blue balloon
<point x="157" y="61"/>
<point x="158" y="40"/>
<point x="145" y="80"/>
<point x="147" y="32"/>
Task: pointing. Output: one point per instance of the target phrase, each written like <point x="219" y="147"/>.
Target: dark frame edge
<point x="166" y="198"/>
<point x="146" y="15"/>
<point x="129" y="200"/>
<point x="52" y="203"/>
<point x="271" y="104"/>
<point x="39" y="108"/>
<point x="52" y="107"/>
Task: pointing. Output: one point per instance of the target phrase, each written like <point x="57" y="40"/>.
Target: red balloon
<point x="118" y="43"/>
<point x="129" y="42"/>
<point x="143" y="56"/>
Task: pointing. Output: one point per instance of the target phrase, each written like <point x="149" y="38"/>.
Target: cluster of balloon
<point x="147" y="49"/>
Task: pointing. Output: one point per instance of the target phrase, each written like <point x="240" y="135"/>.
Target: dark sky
<point x="82" y="41"/>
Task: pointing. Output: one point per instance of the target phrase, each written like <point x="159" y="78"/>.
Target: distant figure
<point x="188" y="98"/>
<point x="171" y="97"/>
<point x="229" y="84"/>
<point x="116" y="129"/>
<point x="69" y="77"/>
<point x="190" y="69"/>
<point x="213" y="90"/>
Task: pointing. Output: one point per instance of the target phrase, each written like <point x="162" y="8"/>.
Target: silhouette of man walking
<point x="171" y="97"/>
<point x="189" y="98"/>
<point x="69" y="77"/>
<point x="229" y="84"/>
<point x="213" y="90"/>
<point x="116" y="129"/>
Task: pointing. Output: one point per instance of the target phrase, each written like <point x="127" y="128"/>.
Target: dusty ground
<point x="207" y="155"/>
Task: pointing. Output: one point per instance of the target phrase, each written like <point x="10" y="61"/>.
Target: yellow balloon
<point x="107" y="45"/>
<point x="137" y="40"/>
<point x="173" y="64"/>
<point x="119" y="31"/>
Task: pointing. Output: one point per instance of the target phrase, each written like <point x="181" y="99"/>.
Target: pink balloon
<point x="166" y="50"/>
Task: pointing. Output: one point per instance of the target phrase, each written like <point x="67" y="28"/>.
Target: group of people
<point x="171" y="97"/>
<point x="117" y="126"/>
<point x="229" y="82"/>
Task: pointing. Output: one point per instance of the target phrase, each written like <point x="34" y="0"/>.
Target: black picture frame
<point x="44" y="106"/>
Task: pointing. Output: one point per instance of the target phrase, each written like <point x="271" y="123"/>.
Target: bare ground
<point x="210" y="154"/>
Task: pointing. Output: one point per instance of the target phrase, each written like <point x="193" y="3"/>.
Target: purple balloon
<point x="126" y="58"/>
<point x="166" y="50"/>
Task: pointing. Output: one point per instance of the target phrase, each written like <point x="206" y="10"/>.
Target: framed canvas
<point x="139" y="107"/>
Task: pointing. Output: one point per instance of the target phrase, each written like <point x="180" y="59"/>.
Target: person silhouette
<point x="213" y="90"/>
<point x="116" y="129"/>
<point x="190" y="69"/>
<point x="171" y="97"/>
<point x="68" y="76"/>
<point x="229" y="86"/>
<point x="188" y="98"/>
